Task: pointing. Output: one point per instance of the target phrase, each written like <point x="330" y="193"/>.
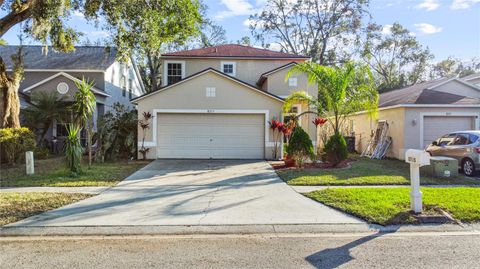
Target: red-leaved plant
<point x="276" y="127"/>
<point x="145" y="125"/>
<point x="318" y="122"/>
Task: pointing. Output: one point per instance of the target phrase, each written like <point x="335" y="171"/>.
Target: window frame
<point x="165" y="70"/>
<point x="234" y="67"/>
<point x="299" y="111"/>
<point x="130" y="88"/>
<point x="290" y="80"/>
<point x="210" y="92"/>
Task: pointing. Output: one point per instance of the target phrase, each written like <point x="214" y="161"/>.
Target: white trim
<point x="234" y="64"/>
<point x="266" y="74"/>
<point x="204" y="72"/>
<point x="95" y="90"/>
<point x="472" y="78"/>
<point x="445" y="114"/>
<point x="454" y="79"/>
<point x="155" y="112"/>
<point x="165" y="69"/>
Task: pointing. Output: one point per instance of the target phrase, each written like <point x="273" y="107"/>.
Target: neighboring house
<point x="421" y="113"/>
<point x="216" y="102"/>
<point x="51" y="71"/>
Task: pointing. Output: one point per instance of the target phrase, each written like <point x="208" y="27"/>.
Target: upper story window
<point x="123" y="85"/>
<point x="229" y="68"/>
<point x="130" y="88"/>
<point x="292" y="82"/>
<point x="174" y="71"/>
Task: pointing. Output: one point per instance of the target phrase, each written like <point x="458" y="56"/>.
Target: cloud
<point x="99" y="34"/>
<point x="236" y="8"/>
<point x="426" y="28"/>
<point x="463" y="4"/>
<point x="387" y="29"/>
<point x="428" y="5"/>
<point x="78" y="14"/>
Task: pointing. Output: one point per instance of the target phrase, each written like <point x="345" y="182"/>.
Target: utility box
<point x="441" y="167"/>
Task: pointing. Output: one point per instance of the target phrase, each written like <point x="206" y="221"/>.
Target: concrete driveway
<point x="195" y="192"/>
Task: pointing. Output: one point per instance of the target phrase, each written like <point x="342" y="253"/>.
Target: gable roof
<point x="424" y="93"/>
<point x="95" y="58"/>
<point x="134" y="100"/>
<point x="233" y="51"/>
<point x="264" y="76"/>
<point x="74" y="79"/>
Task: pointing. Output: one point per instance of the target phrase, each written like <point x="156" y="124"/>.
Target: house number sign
<point x="211" y="110"/>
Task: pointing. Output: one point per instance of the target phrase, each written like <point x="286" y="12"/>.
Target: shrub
<point x="116" y="135"/>
<point x="300" y="146"/>
<point x="336" y="149"/>
<point x="73" y="148"/>
<point x="14" y="142"/>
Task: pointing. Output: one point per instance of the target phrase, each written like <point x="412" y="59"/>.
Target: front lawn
<point x="16" y="206"/>
<point x="366" y="171"/>
<point x="392" y="205"/>
<point x="52" y="173"/>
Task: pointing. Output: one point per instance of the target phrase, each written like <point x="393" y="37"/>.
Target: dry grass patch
<point x="16" y="206"/>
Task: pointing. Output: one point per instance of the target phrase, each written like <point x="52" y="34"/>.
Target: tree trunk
<point x="9" y="100"/>
<point x="10" y="103"/>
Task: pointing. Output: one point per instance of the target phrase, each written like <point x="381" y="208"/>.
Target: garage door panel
<point x="437" y="126"/>
<point x="229" y="136"/>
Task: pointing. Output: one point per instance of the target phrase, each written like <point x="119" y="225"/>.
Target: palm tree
<point x="46" y="108"/>
<point x="341" y="91"/>
<point x="83" y="108"/>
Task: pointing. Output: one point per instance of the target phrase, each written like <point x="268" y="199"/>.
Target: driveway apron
<point x="195" y="192"/>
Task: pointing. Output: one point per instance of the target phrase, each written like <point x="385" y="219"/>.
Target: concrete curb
<point x="233" y="229"/>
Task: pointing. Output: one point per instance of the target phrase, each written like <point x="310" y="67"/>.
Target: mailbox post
<point x="416" y="159"/>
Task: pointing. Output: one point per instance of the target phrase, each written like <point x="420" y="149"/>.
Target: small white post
<point x="415" y="193"/>
<point x="416" y="159"/>
<point x="30" y="166"/>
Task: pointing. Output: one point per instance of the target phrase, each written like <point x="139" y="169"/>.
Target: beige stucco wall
<point x="455" y="87"/>
<point x="191" y="94"/>
<point x="363" y="125"/>
<point x="278" y="86"/>
<point x="248" y="70"/>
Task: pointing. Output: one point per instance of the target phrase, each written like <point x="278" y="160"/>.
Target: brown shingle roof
<point x="423" y="94"/>
<point x="234" y="50"/>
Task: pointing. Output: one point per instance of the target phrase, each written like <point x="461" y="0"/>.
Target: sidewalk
<point x="88" y="190"/>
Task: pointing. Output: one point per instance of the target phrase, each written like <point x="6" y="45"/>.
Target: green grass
<point x="52" y="173"/>
<point x="392" y="205"/>
<point x="17" y="206"/>
<point x="365" y="171"/>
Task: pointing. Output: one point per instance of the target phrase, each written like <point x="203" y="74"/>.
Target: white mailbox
<point x="419" y="157"/>
<point x="416" y="158"/>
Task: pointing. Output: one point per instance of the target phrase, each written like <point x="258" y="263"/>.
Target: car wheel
<point x="468" y="167"/>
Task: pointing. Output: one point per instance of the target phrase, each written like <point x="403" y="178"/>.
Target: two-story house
<point x="216" y="103"/>
<point x="47" y="70"/>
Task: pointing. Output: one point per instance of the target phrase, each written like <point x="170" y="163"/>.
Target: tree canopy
<point x="134" y="26"/>
<point x="395" y="56"/>
<point x="321" y="29"/>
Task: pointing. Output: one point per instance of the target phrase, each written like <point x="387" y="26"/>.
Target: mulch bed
<point x="277" y="165"/>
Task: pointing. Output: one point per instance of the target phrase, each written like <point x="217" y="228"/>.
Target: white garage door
<point x="435" y="127"/>
<point x="211" y="136"/>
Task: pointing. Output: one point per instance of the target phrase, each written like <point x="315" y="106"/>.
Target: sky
<point x="446" y="27"/>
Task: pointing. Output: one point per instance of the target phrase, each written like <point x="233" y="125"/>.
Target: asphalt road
<point x="323" y="251"/>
